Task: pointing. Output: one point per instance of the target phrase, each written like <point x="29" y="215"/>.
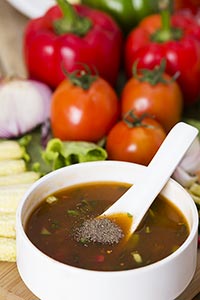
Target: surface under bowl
<point x="52" y="280"/>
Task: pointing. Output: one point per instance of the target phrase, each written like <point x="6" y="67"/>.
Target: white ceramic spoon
<point x="140" y="196"/>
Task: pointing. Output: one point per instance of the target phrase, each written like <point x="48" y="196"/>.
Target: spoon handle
<point x="137" y="200"/>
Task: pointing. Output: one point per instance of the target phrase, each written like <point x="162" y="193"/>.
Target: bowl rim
<point x="20" y="229"/>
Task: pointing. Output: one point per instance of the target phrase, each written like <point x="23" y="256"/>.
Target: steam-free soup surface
<point x="52" y="225"/>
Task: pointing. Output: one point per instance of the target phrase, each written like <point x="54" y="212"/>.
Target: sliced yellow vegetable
<point x="195" y="189"/>
<point x="7" y="225"/>
<point x="25" y="177"/>
<point x="10" y="150"/>
<point x="10" y="197"/>
<point x="7" y="249"/>
<point x="12" y="166"/>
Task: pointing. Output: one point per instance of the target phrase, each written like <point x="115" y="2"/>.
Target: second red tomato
<point x="135" y="142"/>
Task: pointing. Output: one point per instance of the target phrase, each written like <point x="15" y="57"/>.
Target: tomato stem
<point x="82" y="78"/>
<point x="71" y="22"/>
<point x="131" y="120"/>
<point x="154" y="76"/>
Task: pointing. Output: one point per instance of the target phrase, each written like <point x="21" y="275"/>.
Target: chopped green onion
<point x="134" y="239"/>
<point x="51" y="199"/>
<point x="45" y="231"/>
<point x="137" y="257"/>
<point x="147" y="229"/>
<point x="85" y="202"/>
<point x="129" y="215"/>
<point x="54" y="225"/>
<point x="72" y="212"/>
<point x="83" y="241"/>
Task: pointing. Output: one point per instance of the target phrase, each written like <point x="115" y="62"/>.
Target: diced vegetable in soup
<point x="53" y="225"/>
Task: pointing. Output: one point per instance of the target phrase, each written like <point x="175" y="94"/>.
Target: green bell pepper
<point x="127" y="13"/>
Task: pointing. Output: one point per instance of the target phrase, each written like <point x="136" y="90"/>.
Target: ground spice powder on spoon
<point x="99" y="230"/>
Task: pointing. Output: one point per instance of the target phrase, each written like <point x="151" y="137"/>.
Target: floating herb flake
<point x="72" y="212"/>
<point x="147" y="229"/>
<point x="51" y="199"/>
<point x="129" y="215"/>
<point x="137" y="257"/>
<point x="45" y="231"/>
<point x="55" y="225"/>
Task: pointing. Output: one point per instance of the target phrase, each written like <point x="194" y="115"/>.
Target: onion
<point x="191" y="160"/>
<point x="186" y="172"/>
<point x="24" y="105"/>
<point x="184" y="178"/>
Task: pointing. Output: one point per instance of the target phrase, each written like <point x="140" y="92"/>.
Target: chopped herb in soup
<point x="54" y="224"/>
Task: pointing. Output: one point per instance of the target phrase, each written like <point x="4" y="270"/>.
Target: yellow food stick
<point x="7" y="225"/>
<point x="12" y="166"/>
<point x="10" y="150"/>
<point x="7" y="249"/>
<point x="25" y="177"/>
<point x="10" y="197"/>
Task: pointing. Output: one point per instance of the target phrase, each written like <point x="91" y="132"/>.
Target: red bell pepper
<point x="192" y="5"/>
<point x="175" y="38"/>
<point x="190" y="9"/>
<point x="67" y="36"/>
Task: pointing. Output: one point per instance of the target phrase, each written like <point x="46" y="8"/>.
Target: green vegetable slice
<point x="59" y="154"/>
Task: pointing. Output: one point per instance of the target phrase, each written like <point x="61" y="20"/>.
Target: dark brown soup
<point x="52" y="225"/>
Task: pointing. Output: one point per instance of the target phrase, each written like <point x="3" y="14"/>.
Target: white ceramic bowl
<point x="52" y="280"/>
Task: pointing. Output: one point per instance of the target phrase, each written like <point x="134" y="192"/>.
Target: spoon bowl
<point x="137" y="200"/>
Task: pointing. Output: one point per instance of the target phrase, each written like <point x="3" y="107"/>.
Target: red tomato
<point x="83" y="114"/>
<point x="137" y="144"/>
<point x="163" y="100"/>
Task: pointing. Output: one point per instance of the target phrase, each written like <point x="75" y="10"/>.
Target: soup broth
<point x="52" y="224"/>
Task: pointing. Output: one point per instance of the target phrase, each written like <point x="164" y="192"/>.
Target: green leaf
<point x="59" y="154"/>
